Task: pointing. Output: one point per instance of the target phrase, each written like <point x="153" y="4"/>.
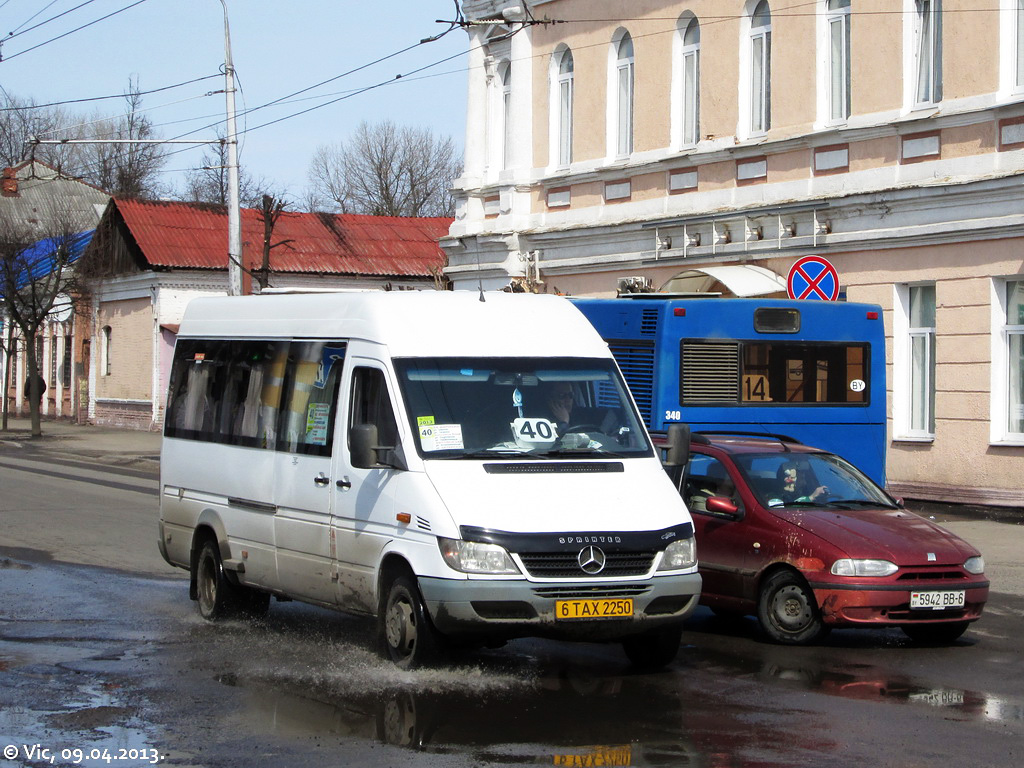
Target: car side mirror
<point x="723" y="507"/>
<point x="367" y="454"/>
<point x="677" y="450"/>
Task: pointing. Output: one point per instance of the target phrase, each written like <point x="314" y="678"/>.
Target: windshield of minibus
<point x="525" y="408"/>
<point x="787" y="479"/>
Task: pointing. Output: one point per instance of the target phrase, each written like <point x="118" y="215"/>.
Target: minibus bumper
<point x="524" y="608"/>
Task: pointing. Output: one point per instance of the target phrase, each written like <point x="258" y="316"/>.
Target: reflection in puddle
<point x="559" y="719"/>
<point x="500" y="708"/>
<point x="865" y="683"/>
<point x="522" y="705"/>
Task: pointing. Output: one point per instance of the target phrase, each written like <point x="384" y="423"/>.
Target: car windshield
<point x="809" y="479"/>
<point x="524" y="408"/>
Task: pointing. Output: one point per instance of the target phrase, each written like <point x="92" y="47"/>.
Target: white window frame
<point x="908" y="390"/>
<point x="505" y="80"/>
<point x="837" y="91"/>
<point x="621" y="91"/>
<point x="686" y="70"/>
<point x="925" y="54"/>
<point x="1018" y="46"/>
<point x="1011" y="48"/>
<point x="1003" y="334"/>
<point x="563" y="87"/>
<point x="108" y="333"/>
<point x="759" y="73"/>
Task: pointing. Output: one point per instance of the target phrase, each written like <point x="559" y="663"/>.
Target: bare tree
<point x="20" y="121"/>
<point x="35" y="268"/>
<point x="270" y="209"/>
<point x="209" y="182"/>
<point x="387" y="170"/>
<point x="123" y="169"/>
<point x="129" y="168"/>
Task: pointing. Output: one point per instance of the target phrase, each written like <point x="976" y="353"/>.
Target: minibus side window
<point x="371" y="404"/>
<point x="311" y="396"/>
<point x="231" y="392"/>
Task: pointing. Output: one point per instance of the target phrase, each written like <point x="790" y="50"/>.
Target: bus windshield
<point x="525" y="408"/>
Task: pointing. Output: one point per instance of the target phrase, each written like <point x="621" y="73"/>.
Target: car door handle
<point x="344" y="484"/>
<point x="321" y="480"/>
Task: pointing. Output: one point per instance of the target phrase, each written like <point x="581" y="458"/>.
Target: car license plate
<point x="937" y="601"/>
<point x="593" y="609"/>
<point x="596" y="757"/>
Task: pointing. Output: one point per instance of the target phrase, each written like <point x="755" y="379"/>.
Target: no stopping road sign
<point x="813" y="277"/>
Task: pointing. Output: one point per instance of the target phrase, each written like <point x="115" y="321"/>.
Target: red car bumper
<point x="853" y="604"/>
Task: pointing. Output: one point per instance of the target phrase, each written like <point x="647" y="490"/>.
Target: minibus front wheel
<point x="408" y="634"/>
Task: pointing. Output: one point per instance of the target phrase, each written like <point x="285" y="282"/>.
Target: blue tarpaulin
<point x="38" y="259"/>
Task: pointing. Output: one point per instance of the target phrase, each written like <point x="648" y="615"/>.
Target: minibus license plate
<point x="593" y="609"/>
<point x="937" y="601"/>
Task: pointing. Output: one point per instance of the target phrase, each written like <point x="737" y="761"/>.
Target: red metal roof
<point x="194" y="236"/>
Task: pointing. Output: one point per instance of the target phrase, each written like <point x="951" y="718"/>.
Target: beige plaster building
<point x="651" y="138"/>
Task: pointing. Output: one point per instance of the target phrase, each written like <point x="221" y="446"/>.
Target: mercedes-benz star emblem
<point x="591" y="560"/>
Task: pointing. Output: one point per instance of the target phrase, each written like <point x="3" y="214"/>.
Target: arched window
<point x="838" y="21"/>
<point x="563" y="100"/>
<point x="624" y="76"/>
<point x="760" y="68"/>
<point x="690" y="77"/>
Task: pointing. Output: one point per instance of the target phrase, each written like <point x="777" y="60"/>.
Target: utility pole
<point x="234" y="211"/>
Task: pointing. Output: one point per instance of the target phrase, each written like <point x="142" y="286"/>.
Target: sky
<point x="279" y="47"/>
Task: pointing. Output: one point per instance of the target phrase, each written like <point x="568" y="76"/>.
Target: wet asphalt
<point x="107" y="663"/>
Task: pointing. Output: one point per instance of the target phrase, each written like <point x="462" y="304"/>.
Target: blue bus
<point x="809" y="370"/>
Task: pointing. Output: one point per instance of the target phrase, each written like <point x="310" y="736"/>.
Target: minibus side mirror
<point x="367" y="454"/>
<point x="677" y="450"/>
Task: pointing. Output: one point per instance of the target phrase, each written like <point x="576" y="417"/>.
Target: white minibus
<point x="465" y="467"/>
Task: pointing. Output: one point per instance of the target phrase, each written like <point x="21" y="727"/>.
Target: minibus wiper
<point x="497" y="453"/>
<point x="562" y="452"/>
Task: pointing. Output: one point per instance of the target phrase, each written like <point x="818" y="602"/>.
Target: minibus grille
<point x="565" y="565"/>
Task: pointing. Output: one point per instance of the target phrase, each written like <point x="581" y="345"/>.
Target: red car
<point x="804" y="541"/>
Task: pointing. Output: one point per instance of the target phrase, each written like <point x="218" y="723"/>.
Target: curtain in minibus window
<point x="232" y="392"/>
<point x="312" y="379"/>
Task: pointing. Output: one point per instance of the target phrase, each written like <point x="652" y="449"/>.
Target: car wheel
<point x="217" y="597"/>
<point x="409" y="636"/>
<point x="655" y="649"/>
<point x="935" y="634"/>
<point x="787" y="611"/>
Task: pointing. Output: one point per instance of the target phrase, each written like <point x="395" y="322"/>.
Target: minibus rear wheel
<point x="217" y="597"/>
<point x="408" y="634"/>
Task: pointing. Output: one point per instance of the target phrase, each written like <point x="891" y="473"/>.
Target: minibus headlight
<point x="847" y="567"/>
<point x="975" y="565"/>
<point x="475" y="557"/>
<point x="680" y="554"/>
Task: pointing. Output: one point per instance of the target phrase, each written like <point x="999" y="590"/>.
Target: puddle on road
<point x="501" y="707"/>
<point x="868" y="683"/>
<point x="296" y="678"/>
